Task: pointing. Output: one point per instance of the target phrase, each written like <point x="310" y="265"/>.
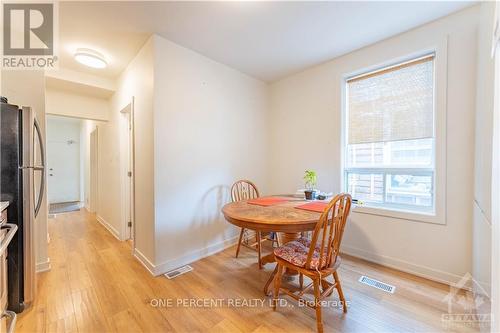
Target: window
<point x="390" y="137"/>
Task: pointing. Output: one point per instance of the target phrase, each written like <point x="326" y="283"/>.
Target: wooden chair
<point x="317" y="258"/>
<point x="245" y="190"/>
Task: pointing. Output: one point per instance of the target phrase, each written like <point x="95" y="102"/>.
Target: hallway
<point x="96" y="285"/>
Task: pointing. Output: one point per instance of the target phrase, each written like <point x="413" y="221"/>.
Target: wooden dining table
<point x="283" y="218"/>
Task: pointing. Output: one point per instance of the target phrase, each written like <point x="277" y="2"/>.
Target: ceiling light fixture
<point x="90" y="58"/>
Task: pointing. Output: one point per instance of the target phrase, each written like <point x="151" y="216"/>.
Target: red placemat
<point x="267" y="201"/>
<point x="315" y="206"/>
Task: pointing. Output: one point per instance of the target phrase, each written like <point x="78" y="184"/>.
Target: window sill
<point x="398" y="214"/>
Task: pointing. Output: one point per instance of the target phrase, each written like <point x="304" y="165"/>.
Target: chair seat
<point x="295" y="252"/>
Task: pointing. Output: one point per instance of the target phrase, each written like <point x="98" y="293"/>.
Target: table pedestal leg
<point x="283" y="238"/>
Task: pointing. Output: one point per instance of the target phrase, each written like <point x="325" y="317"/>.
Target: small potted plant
<point x="310" y="179"/>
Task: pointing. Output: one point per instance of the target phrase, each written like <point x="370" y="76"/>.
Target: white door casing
<point x="93" y="171"/>
<point x="127" y="171"/>
<point x="495" y="186"/>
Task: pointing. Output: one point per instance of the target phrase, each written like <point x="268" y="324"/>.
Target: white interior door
<point x="63" y="161"/>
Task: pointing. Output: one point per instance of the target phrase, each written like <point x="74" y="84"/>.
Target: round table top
<point x="280" y="217"/>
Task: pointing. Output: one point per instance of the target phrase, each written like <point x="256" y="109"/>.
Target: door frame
<point x="94" y="170"/>
<point x="127" y="161"/>
<point x="495" y="189"/>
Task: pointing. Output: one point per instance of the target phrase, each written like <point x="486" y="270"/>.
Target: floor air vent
<point x="178" y="271"/>
<point x="377" y="284"/>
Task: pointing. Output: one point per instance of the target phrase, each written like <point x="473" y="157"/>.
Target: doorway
<point x="64" y="164"/>
<point x="72" y="164"/>
<point x="128" y="176"/>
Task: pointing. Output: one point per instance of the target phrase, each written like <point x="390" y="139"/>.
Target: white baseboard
<point x="194" y="256"/>
<point x="87" y="208"/>
<point x="108" y="226"/>
<point x="404" y="266"/>
<point x="184" y="259"/>
<point x="43" y="266"/>
<point x="144" y="261"/>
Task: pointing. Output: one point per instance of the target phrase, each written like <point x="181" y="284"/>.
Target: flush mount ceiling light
<point x="90" y="58"/>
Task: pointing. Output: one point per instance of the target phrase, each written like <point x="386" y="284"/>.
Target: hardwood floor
<point x="96" y="285"/>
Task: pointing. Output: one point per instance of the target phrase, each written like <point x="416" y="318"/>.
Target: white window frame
<point x="440" y="97"/>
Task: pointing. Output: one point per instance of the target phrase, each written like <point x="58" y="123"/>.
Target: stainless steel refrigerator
<point x="22" y="183"/>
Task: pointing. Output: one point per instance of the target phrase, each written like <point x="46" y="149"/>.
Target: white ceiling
<point x="267" y="40"/>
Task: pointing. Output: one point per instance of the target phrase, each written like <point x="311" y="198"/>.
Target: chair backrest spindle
<point x="331" y="229"/>
<point x="244" y="190"/>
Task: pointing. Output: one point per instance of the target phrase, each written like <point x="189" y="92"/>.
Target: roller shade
<point x="392" y="104"/>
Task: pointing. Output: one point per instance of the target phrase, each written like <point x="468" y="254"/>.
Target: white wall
<point x="495" y="193"/>
<point x="27" y="88"/>
<point x="211" y="125"/>
<point x="71" y="104"/>
<point x="68" y="79"/>
<point x="306" y="126"/>
<point x="136" y="82"/>
<point x="208" y="128"/>
<point x="481" y="232"/>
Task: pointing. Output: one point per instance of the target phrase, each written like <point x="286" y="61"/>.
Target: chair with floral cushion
<point x="317" y="258"/>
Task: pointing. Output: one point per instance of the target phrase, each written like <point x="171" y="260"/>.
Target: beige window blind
<point x="392" y="104"/>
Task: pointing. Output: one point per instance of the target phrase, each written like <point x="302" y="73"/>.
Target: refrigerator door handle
<point x="31" y="134"/>
<point x="10" y="234"/>
<point x="40" y="168"/>
<point x="13" y="318"/>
